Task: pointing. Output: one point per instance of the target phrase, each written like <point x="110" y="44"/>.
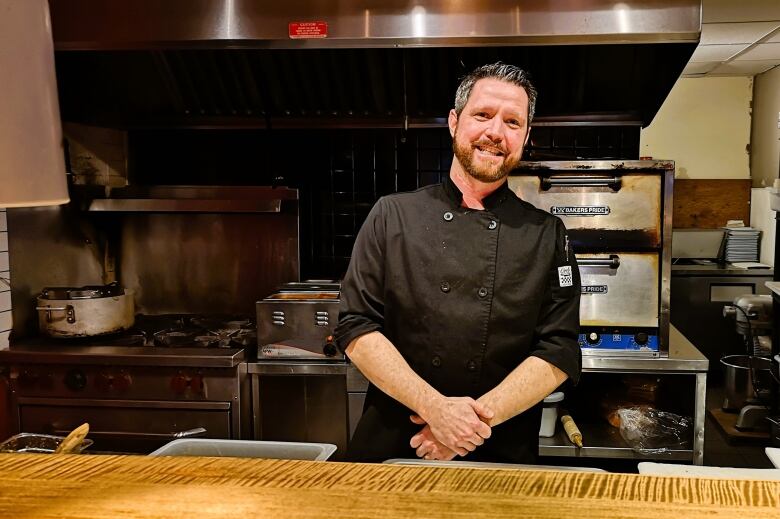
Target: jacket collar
<point x="490" y="202"/>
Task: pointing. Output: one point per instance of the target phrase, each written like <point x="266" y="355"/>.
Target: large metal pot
<point x="85" y="311"/>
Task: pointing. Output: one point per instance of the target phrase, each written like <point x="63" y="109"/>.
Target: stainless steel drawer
<point x="619" y="289"/>
<point x="606" y="211"/>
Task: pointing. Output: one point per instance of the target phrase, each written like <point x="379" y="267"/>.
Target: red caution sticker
<point x="305" y="30"/>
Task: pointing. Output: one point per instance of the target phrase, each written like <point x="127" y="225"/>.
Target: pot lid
<point x="85" y="292"/>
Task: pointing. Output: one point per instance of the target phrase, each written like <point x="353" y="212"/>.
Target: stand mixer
<point x="748" y="377"/>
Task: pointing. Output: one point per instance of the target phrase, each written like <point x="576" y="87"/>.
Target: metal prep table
<point x="605" y="441"/>
<point x="601" y="442"/>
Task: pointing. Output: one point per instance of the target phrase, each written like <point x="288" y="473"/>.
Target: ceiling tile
<point x="715" y="52"/>
<point x="733" y="33"/>
<point x="762" y="51"/>
<point x="743" y="68"/>
<point x="740" y="11"/>
<point x="700" y="68"/>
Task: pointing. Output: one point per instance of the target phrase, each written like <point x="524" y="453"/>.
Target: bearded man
<point x="461" y="301"/>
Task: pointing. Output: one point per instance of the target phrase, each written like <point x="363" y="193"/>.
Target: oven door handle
<point x="612" y="181"/>
<point x="198" y="431"/>
<point x="612" y="262"/>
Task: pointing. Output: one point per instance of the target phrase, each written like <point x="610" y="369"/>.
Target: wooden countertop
<point x="46" y="486"/>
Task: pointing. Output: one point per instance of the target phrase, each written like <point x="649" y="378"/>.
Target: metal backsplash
<point x="49" y="246"/>
<point x="176" y="263"/>
<point x="206" y="263"/>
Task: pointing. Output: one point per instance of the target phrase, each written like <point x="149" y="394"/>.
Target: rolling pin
<point x="574" y="434"/>
<point x="72" y="442"/>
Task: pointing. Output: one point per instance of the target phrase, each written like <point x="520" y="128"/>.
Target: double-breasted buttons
<point x="482" y="292"/>
<point x="445" y="287"/>
<point x="471" y="365"/>
<point x="492" y="225"/>
<point x="448" y="216"/>
<point x="436" y="361"/>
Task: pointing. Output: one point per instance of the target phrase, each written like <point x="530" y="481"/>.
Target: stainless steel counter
<point x="718" y="270"/>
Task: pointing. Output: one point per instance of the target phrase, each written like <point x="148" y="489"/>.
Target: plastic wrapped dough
<point x="650" y="431"/>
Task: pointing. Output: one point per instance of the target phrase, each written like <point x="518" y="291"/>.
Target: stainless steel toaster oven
<point x="297" y="322"/>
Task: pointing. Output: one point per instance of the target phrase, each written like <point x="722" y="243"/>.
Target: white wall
<point x="5" y="290"/>
<point x="704" y="126"/>
<point x="765" y="137"/>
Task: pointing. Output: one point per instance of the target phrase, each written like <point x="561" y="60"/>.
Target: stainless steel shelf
<point x="193" y="199"/>
<point x="172" y="205"/>
<point x="602" y="441"/>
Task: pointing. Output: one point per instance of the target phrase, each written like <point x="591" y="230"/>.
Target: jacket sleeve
<point x="558" y="326"/>
<point x="362" y="291"/>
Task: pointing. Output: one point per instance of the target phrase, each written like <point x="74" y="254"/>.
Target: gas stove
<point x="167" y="375"/>
<point x="177" y="330"/>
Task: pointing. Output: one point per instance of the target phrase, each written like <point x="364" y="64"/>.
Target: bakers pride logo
<point x="580" y="210"/>
<point x="594" y="289"/>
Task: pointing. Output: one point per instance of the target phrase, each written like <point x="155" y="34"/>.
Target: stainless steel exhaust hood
<point x="228" y="63"/>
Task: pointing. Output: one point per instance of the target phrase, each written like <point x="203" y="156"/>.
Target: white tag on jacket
<point x="564" y="276"/>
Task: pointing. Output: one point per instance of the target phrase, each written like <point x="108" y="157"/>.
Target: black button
<point x="492" y="225"/>
<point x="471" y="365"/>
<point x="482" y="292"/>
<point x="445" y="287"/>
<point x="641" y="338"/>
<point x="436" y="361"/>
<point x="447" y="216"/>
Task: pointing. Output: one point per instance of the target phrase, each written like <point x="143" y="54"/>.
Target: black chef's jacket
<point x="465" y="295"/>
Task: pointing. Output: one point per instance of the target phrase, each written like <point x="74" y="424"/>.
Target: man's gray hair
<point x="503" y="72"/>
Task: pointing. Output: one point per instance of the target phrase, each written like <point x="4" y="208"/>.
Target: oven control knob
<point x="330" y="349"/>
<point x="75" y="380"/>
<point x="641" y="338"/>
<point x="103" y="381"/>
<point x="123" y="381"/>
<point x="593" y="338"/>
<point x="197" y="385"/>
<point x="179" y="384"/>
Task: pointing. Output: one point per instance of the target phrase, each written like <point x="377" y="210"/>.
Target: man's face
<point x="489" y="135"/>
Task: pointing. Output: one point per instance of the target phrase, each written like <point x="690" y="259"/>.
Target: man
<point x="461" y="302"/>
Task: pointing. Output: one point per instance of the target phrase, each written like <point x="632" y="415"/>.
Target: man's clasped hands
<point x="452" y="426"/>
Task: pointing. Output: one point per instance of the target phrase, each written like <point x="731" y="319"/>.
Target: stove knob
<point x="330" y="349"/>
<point x="179" y="384"/>
<point x="197" y="385"/>
<point x="123" y="381"/>
<point x="593" y="338"/>
<point x="641" y="338"/>
<point x="104" y="381"/>
<point x="75" y="380"/>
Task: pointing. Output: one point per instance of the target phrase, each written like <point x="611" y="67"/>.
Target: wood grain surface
<point x="709" y="204"/>
<point x="44" y="486"/>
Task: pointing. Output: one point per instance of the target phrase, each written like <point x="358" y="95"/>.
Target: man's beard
<point x="483" y="172"/>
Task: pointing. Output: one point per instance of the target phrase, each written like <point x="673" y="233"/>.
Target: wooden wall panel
<point x="709" y="204"/>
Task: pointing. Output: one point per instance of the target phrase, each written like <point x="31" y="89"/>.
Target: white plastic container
<point x="247" y="449"/>
<point x="550" y="414"/>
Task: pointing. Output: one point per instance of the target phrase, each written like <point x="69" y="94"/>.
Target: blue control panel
<point x="641" y="342"/>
